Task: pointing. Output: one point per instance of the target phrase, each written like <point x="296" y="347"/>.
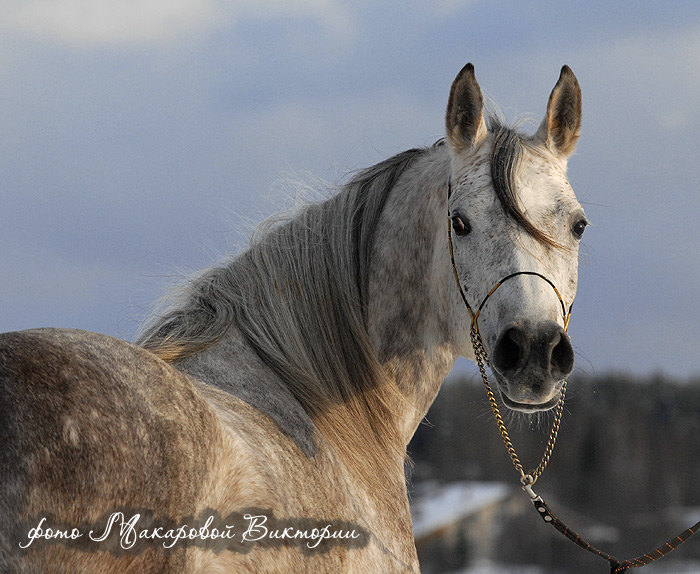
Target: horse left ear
<point x="561" y="125"/>
<point x="464" y="119"/>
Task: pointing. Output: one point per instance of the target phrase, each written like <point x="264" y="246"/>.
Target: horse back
<point x="90" y="425"/>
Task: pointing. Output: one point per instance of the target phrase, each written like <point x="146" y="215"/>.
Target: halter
<point x="482" y="359"/>
<point x="528" y="479"/>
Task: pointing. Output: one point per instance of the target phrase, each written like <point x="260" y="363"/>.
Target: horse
<point x="260" y="422"/>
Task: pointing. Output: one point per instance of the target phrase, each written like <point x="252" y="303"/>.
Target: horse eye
<point x="461" y="226"/>
<point x="579" y="227"/>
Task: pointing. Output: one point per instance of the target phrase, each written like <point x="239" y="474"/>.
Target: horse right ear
<point x="464" y="119"/>
<point x="561" y="125"/>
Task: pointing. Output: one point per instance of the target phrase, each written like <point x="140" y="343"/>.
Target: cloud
<point x="654" y="74"/>
<point x="104" y="22"/>
<point x="188" y="109"/>
<point x="94" y="23"/>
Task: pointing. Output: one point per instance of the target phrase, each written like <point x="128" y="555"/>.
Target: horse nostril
<point x="510" y="353"/>
<point x="562" y="358"/>
<point x="545" y="348"/>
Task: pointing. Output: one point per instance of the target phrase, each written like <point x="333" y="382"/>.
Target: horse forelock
<point x="507" y="155"/>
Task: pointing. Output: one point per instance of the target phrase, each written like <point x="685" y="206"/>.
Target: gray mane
<point x="298" y="296"/>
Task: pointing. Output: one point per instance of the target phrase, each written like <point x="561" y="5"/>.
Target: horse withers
<point x="260" y="423"/>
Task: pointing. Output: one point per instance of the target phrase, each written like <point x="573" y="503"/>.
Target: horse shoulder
<point x="269" y="437"/>
<point x="262" y="470"/>
<point x="260" y="465"/>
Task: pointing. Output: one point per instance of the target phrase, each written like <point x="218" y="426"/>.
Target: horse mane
<point x="332" y="240"/>
<point x="299" y="297"/>
<point x="326" y="247"/>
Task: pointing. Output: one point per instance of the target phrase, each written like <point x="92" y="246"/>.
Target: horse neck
<point x="411" y="289"/>
<point x="365" y="379"/>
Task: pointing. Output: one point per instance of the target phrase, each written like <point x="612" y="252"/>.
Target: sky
<point x="142" y="140"/>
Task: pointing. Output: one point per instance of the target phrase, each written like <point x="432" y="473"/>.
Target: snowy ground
<point x="669" y="567"/>
<point x="435" y="506"/>
<point x="491" y="568"/>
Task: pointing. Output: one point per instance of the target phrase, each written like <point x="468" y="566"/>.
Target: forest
<point x="626" y="456"/>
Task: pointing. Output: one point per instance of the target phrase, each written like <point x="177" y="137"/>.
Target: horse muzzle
<point x="531" y="362"/>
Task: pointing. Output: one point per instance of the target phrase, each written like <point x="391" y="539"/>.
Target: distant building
<point x="490" y="527"/>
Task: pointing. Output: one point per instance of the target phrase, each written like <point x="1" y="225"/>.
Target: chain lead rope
<point x="525" y="478"/>
<point x="529" y="479"/>
<point x="482" y="360"/>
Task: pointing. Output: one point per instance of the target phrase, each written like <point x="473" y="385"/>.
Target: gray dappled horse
<point x="286" y="384"/>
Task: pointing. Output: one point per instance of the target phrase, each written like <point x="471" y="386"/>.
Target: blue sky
<point x="143" y="140"/>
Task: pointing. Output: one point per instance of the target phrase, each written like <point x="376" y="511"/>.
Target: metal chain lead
<point x="482" y="359"/>
<point x="527" y="480"/>
<point x="530" y="478"/>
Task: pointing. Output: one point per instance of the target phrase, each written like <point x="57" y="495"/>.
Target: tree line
<point x="627" y="452"/>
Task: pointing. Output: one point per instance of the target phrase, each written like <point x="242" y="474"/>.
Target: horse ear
<point x="561" y="125"/>
<point x="464" y="119"/>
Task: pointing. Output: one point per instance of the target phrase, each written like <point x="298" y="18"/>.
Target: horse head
<point x="515" y="228"/>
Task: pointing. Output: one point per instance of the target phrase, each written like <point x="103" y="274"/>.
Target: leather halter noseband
<point x="475" y="315"/>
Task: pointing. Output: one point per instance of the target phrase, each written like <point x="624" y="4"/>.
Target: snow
<point x="437" y="506"/>
<point x="672" y="567"/>
<point x="691" y="514"/>
<point x="487" y="567"/>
